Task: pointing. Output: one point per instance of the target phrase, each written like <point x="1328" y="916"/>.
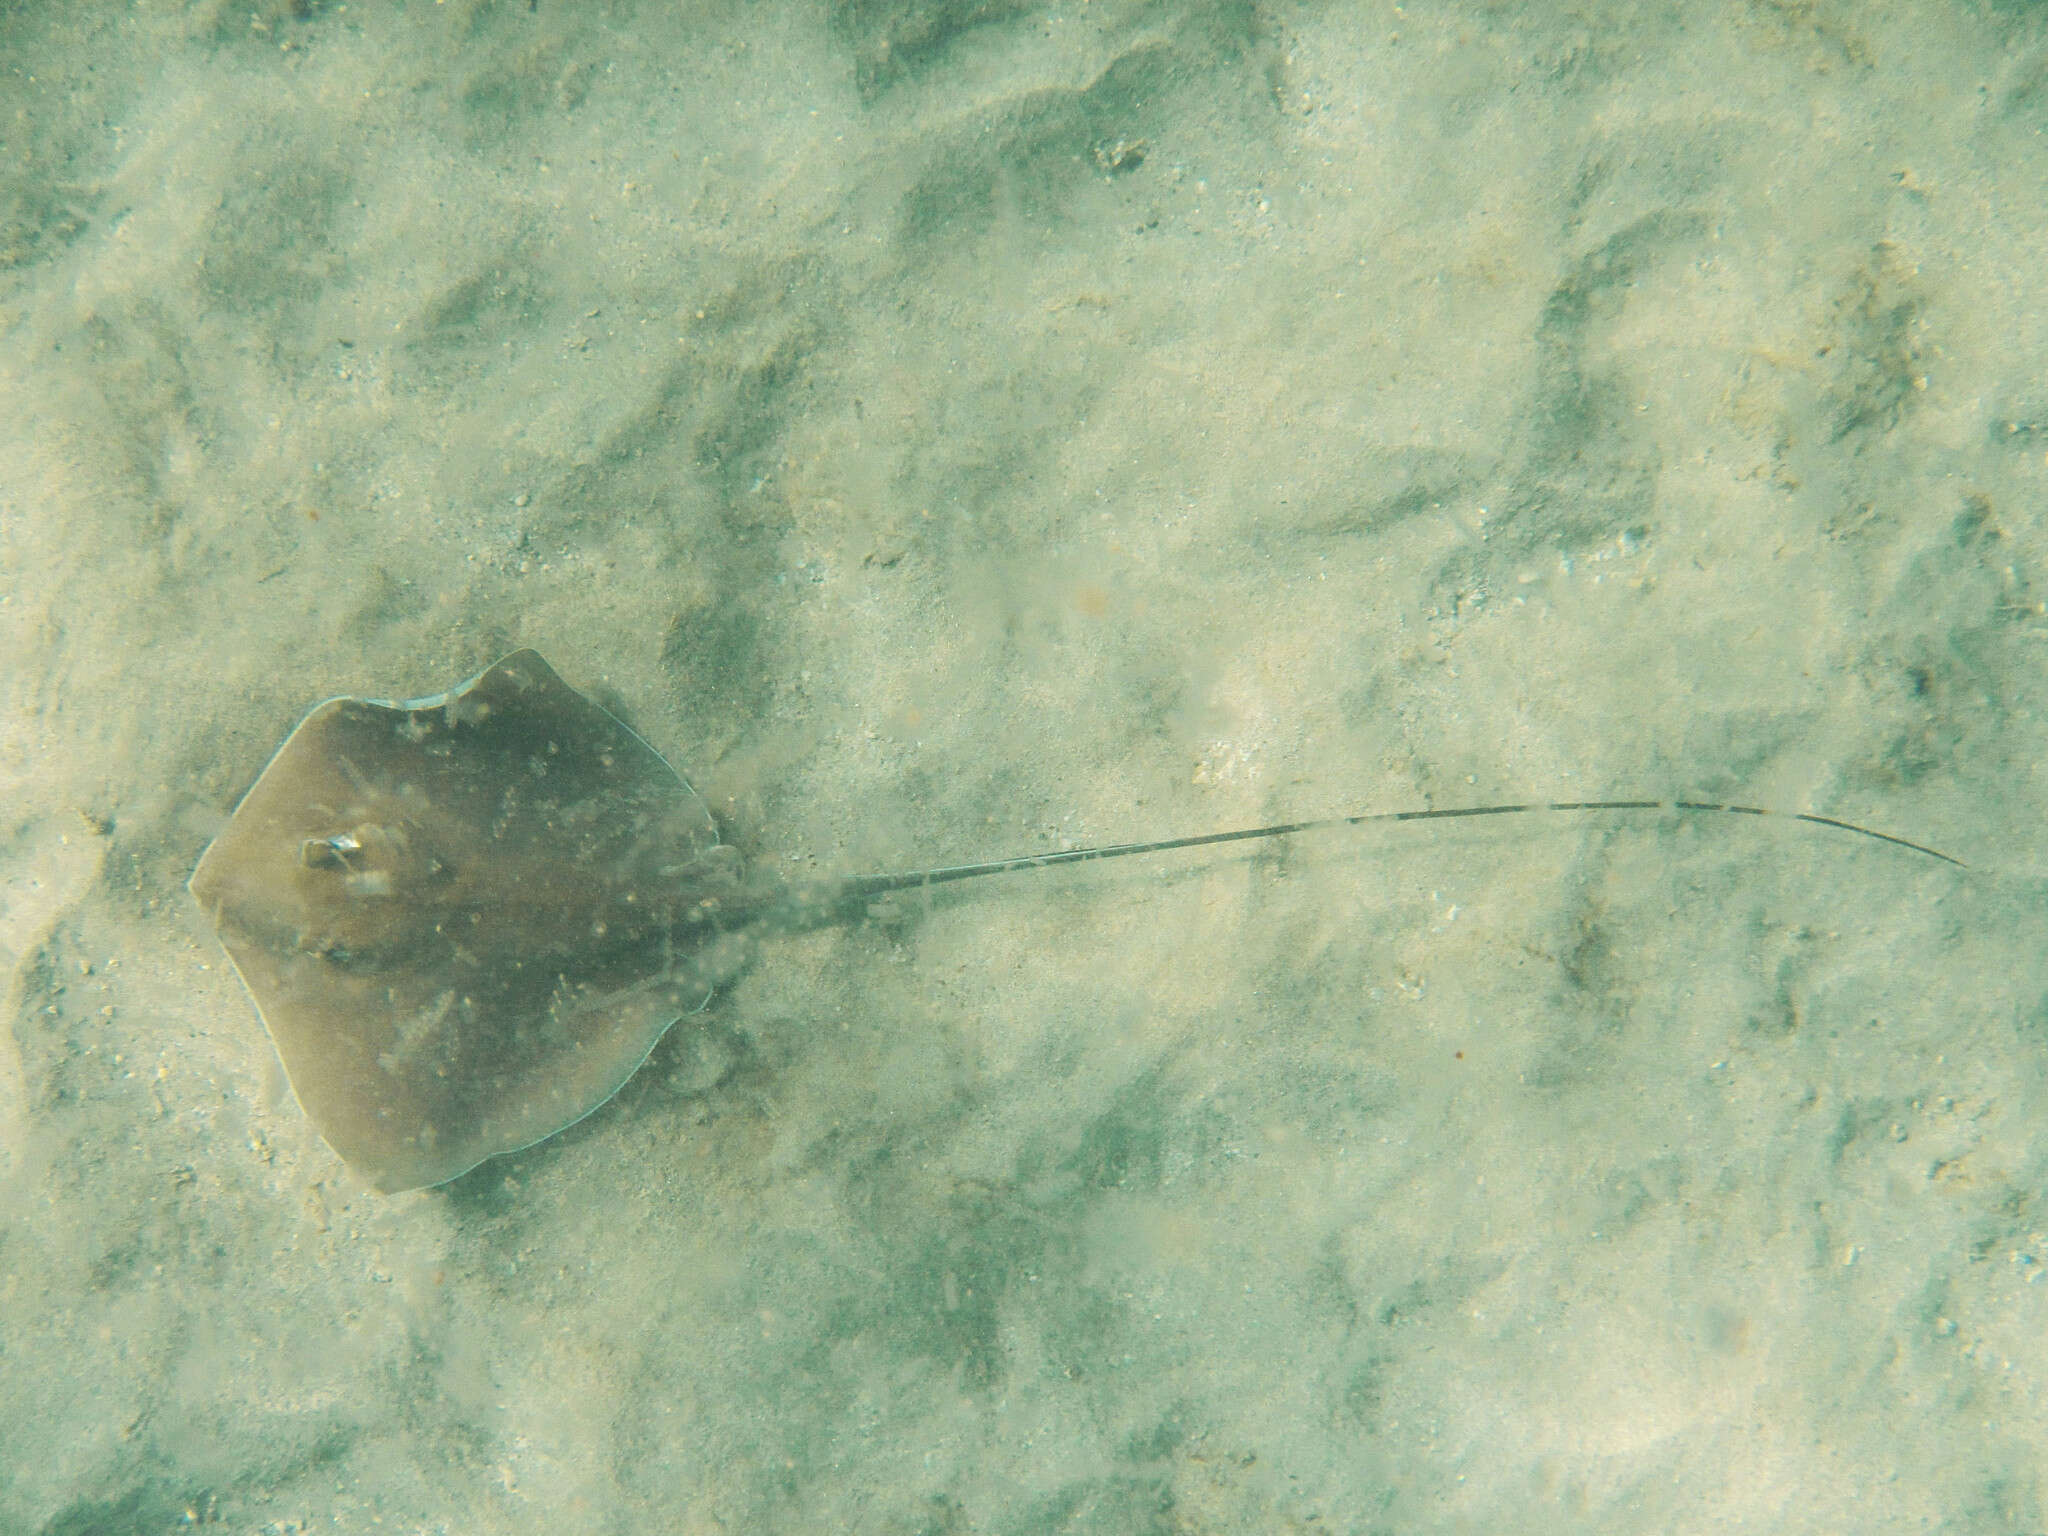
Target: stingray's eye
<point x="336" y="852"/>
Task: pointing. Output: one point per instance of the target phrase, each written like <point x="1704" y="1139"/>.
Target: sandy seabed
<point x="974" y="427"/>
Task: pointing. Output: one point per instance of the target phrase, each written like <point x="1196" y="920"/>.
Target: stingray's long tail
<point x="816" y="904"/>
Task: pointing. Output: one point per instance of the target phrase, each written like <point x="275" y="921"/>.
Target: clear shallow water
<point x="945" y="432"/>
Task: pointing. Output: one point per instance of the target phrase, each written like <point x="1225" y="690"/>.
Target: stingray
<point x="467" y="919"/>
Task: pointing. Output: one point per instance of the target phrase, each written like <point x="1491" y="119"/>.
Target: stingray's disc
<point x="457" y="915"/>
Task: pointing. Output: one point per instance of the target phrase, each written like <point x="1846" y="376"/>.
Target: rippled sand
<point x="958" y="429"/>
